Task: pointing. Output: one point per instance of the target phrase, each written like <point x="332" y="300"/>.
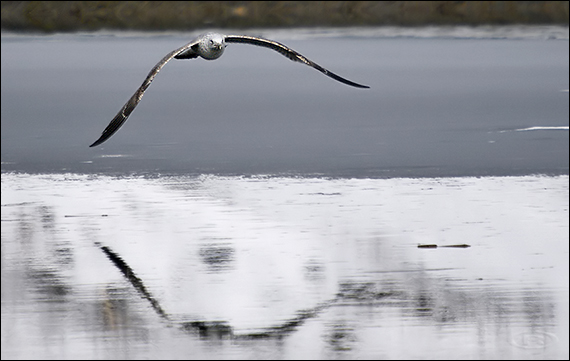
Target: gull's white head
<point x="212" y="46"/>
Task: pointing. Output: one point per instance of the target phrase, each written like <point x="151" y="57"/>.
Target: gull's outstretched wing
<point x="128" y="108"/>
<point x="290" y="53"/>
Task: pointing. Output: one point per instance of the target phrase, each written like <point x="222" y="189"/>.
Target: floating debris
<point x="448" y="246"/>
<point x="457" y="246"/>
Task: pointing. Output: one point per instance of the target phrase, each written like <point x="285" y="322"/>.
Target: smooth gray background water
<point x="436" y="106"/>
<point x="252" y="208"/>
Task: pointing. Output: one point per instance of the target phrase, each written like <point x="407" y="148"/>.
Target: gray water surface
<point x="436" y="107"/>
<point x="253" y="208"/>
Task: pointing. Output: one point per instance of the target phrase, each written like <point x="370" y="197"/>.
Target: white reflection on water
<point x="268" y="267"/>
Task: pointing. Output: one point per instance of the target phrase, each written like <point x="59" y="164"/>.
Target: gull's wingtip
<point x="98" y="141"/>
<point x="346" y="81"/>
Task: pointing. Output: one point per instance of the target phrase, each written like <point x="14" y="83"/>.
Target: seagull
<point x="208" y="46"/>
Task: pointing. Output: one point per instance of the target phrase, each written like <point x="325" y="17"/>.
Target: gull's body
<point x="209" y="46"/>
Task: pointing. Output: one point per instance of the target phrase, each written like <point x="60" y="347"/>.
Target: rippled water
<point x="256" y="267"/>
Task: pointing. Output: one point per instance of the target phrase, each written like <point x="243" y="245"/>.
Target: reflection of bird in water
<point x="208" y="46"/>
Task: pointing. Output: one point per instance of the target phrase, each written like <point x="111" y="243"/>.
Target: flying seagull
<point x="209" y="46"/>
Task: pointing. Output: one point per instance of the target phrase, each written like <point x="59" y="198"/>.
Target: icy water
<point x="253" y="208"/>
